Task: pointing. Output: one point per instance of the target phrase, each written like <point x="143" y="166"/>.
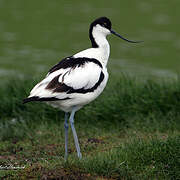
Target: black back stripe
<point x="53" y="83"/>
<point x="37" y="98"/>
<point x="56" y="86"/>
<point x="71" y="62"/>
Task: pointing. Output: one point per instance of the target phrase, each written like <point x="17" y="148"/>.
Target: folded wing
<point x="68" y="77"/>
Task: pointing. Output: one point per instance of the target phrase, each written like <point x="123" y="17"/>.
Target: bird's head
<point x="103" y="26"/>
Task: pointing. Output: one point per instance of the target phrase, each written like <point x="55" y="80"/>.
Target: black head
<point x="103" y="21"/>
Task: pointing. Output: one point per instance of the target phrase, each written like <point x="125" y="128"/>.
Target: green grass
<point x="130" y="132"/>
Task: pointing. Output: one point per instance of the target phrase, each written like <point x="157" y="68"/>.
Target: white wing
<point x="82" y="77"/>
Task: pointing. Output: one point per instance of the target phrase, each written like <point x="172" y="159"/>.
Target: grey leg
<point x="66" y="135"/>
<point x="74" y="133"/>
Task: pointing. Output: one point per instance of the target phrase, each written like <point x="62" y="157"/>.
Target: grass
<point x="130" y="132"/>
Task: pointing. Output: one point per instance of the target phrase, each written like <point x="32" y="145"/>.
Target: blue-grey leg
<point x="66" y="135"/>
<point x="74" y="133"/>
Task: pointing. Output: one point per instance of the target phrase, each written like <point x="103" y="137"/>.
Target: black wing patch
<point x="56" y="86"/>
<point x="71" y="62"/>
<point x="37" y="98"/>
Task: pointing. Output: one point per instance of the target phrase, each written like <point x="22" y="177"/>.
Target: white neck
<point x="103" y="45"/>
<point x="102" y="51"/>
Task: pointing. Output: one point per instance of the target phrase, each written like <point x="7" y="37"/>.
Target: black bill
<point x="115" y="33"/>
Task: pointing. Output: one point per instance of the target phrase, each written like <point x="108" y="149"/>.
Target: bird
<point x="79" y="79"/>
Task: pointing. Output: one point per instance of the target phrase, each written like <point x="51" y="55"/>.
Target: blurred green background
<point x="132" y="130"/>
<point x="34" y="35"/>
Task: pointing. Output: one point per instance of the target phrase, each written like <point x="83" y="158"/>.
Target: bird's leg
<point x="66" y="135"/>
<point x="74" y="133"/>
